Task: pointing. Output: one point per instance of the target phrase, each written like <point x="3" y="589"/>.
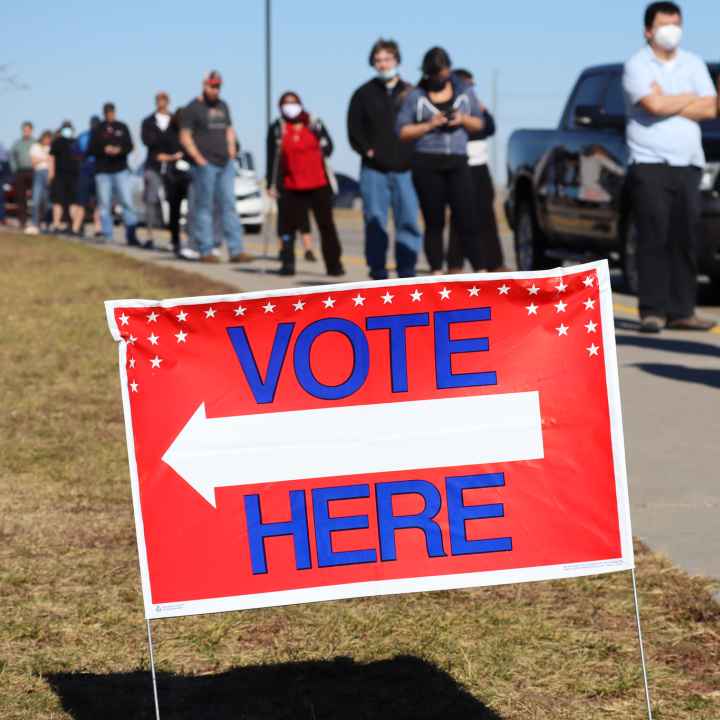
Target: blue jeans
<point x="114" y="185"/>
<point x="40" y="189"/>
<point x="379" y="192"/>
<point x="215" y="185"/>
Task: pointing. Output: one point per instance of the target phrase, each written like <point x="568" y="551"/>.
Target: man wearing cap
<point x="207" y="135"/>
<point x="110" y="144"/>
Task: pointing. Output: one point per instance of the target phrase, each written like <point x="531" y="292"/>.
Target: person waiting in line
<point x="438" y="116"/>
<point x="668" y="92"/>
<point x="385" y="178"/>
<point x="210" y="142"/>
<point x="42" y="163"/>
<point x="21" y="165"/>
<point x="484" y="221"/>
<point x="110" y="144"/>
<point x="85" y="195"/>
<point x="297" y="148"/>
<point x="4" y="177"/>
<point x="66" y="170"/>
<point x="160" y="140"/>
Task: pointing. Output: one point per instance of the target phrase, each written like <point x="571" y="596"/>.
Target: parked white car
<point x="248" y="195"/>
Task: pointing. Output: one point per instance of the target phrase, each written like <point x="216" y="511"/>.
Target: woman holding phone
<point x="438" y="116"/>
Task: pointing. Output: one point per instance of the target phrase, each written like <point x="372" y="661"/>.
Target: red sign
<point x="373" y="438"/>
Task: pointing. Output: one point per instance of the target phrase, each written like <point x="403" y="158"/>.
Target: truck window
<point x="588" y="92"/>
<point x="614" y="102"/>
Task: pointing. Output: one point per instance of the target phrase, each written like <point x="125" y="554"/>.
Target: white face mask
<point x="388" y="75"/>
<point x="67" y="132"/>
<point x="291" y="110"/>
<point x="668" y="37"/>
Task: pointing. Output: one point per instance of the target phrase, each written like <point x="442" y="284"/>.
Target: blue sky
<point x="75" y="56"/>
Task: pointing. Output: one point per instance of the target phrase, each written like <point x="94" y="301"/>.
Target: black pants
<point x="485" y="229"/>
<point x="441" y="181"/>
<point x="666" y="209"/>
<point x="23" y="185"/>
<point x="176" y="190"/>
<point x="291" y="220"/>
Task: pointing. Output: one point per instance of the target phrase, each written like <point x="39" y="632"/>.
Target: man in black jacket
<point x="160" y="136"/>
<point x="385" y="178"/>
<point x="110" y="144"/>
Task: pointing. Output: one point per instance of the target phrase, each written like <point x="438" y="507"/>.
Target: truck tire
<point x="529" y="241"/>
<point x="629" y="256"/>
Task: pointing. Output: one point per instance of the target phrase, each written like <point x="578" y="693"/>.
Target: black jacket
<point x="273" y="169"/>
<point x="371" y="125"/>
<point x="159" y="141"/>
<point x="114" y="133"/>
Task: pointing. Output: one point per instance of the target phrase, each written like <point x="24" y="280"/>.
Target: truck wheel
<point x="529" y="242"/>
<point x="629" y="257"/>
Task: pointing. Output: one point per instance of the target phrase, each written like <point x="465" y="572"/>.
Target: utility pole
<point x="268" y="62"/>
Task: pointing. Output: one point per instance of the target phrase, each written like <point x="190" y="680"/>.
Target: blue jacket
<point x="417" y="108"/>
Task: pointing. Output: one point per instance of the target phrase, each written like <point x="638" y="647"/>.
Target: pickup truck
<point x="567" y="195"/>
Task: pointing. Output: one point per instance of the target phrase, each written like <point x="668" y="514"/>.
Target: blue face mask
<point x="386" y="75"/>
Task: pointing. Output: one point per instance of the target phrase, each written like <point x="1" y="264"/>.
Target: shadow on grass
<point x="404" y="688"/>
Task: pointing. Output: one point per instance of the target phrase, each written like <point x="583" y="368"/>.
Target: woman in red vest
<point x="300" y="178"/>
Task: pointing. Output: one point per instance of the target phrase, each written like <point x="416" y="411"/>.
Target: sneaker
<point x="187" y="253"/>
<point x="216" y="252"/>
<point x="209" y="258"/>
<point x="148" y="244"/>
<point x="651" y="324"/>
<point x="31" y="230"/>
<point x="310" y="256"/>
<point x="691" y="323"/>
<point x="241" y="257"/>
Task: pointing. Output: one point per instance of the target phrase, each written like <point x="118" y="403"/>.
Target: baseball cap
<point x="213" y="78"/>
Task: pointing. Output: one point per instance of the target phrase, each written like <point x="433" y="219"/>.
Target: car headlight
<point x="710" y="176"/>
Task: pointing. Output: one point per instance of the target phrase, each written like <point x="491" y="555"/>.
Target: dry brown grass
<point x="72" y="635"/>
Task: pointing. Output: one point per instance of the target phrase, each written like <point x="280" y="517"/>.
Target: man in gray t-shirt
<point x="668" y="91"/>
<point x="207" y="134"/>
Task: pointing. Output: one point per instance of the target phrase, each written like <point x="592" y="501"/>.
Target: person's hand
<point x="273" y="193"/>
<point x="201" y="161"/>
<point x="165" y="157"/>
<point x="457" y="119"/>
<point x="656" y="89"/>
<point x="370" y="153"/>
<point x="437" y="120"/>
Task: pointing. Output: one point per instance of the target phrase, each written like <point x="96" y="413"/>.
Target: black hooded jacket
<point x="371" y="126"/>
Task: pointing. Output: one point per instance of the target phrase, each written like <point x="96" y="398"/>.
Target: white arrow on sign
<point x="209" y="453"/>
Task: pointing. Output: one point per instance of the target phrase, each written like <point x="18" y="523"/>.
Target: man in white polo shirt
<point x="668" y="91"/>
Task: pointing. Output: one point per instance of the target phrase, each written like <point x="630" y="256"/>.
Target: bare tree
<point x="10" y="80"/>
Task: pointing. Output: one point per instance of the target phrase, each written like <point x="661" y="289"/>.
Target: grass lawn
<point x="72" y="634"/>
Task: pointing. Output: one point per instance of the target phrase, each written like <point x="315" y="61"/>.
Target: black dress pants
<point x="292" y="215"/>
<point x="666" y="211"/>
<point x="485" y="229"/>
<point x="441" y="181"/>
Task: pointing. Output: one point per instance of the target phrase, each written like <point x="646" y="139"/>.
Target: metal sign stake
<point x="642" y="649"/>
<point x="152" y="670"/>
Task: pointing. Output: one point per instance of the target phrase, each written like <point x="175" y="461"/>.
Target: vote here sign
<point x="372" y="438"/>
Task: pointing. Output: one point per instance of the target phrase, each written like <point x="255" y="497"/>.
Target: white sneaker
<point x="189" y="254"/>
<point x="216" y="252"/>
<point x="31" y="230"/>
